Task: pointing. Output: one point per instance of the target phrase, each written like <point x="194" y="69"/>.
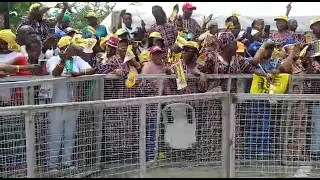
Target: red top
<point x="22" y="61"/>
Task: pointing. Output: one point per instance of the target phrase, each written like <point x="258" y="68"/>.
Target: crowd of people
<point x="160" y="49"/>
<point x="177" y="45"/>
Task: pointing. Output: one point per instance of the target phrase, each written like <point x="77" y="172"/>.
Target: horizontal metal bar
<point x="279" y="97"/>
<point x="119" y="102"/>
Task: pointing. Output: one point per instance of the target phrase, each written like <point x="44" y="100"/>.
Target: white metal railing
<point x="220" y="135"/>
<point x="27" y="90"/>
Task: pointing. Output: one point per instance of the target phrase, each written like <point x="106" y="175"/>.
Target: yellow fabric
<point x="313" y="21"/>
<point x="64" y="41"/>
<point x="180" y="75"/>
<point x="308" y="37"/>
<point x="155" y="35"/>
<point x="182" y="34"/>
<point x="180" y="41"/>
<point x="192" y="44"/>
<point x="8" y="36"/>
<point x="303" y="51"/>
<point x="35" y="5"/>
<point x="173" y="15"/>
<point x="91" y="14"/>
<point x="144" y="56"/>
<point x="260" y="86"/>
<point x="129" y="54"/>
<point x="283" y="17"/>
<point x="173" y="57"/>
<point x="131" y="80"/>
<point x="103" y="42"/>
<point x="120" y="32"/>
<point x="77" y="40"/>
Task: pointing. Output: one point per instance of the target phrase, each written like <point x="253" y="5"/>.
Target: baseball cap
<point x="188" y="6"/>
<point x="282" y="17"/>
<point x="91" y="14"/>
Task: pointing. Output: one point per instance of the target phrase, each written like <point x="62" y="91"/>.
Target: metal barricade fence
<point x="40" y="90"/>
<point x="195" y="135"/>
<point x="138" y="142"/>
<point x="276" y="136"/>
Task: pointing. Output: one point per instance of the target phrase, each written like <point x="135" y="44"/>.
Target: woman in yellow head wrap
<point x="10" y="55"/>
<point x="8" y="42"/>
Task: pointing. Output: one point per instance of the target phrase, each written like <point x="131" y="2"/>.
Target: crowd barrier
<point x="16" y="91"/>
<point x="197" y="135"/>
<point x="259" y="136"/>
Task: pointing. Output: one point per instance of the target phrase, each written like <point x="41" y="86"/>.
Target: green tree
<point x="17" y="11"/>
<point x="80" y="10"/>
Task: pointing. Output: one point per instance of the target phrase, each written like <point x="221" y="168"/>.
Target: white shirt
<point x="130" y="31"/>
<point x="63" y="92"/>
<point x="7" y="57"/>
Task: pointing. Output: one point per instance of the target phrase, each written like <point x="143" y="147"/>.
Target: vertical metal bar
<point x="226" y="137"/>
<point x="30" y="144"/>
<point x="25" y="95"/>
<point x="156" y="147"/>
<point x="142" y="140"/>
<point x="31" y="95"/>
<point x="99" y="113"/>
<point x="290" y="88"/>
<point x="232" y="141"/>
<point x="229" y="84"/>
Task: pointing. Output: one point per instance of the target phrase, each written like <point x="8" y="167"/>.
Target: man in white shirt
<point x="63" y="93"/>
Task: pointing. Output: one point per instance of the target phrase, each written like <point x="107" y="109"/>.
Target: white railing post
<point x="30" y="144"/>
<point x="142" y="140"/>
<point x="99" y="112"/>
<point x="227" y="135"/>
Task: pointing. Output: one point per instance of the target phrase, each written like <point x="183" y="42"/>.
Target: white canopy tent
<point x="302" y="11"/>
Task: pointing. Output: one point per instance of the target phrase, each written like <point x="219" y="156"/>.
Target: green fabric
<point x="66" y="16"/>
<point x="69" y="65"/>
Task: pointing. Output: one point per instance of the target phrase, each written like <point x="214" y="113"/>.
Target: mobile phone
<point x="249" y="30"/>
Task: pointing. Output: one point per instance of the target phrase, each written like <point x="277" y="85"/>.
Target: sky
<point x="218" y="9"/>
<point x="223" y="8"/>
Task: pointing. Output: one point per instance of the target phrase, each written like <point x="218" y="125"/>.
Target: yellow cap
<point x="33" y="6"/>
<point x="64" y="41"/>
<point x="155" y="35"/>
<point x="313" y="21"/>
<point x="192" y="44"/>
<point x="10" y="38"/>
<point x="91" y="14"/>
<point x="282" y="17"/>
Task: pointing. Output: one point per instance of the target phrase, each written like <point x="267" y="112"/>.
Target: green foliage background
<point x="19" y="10"/>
